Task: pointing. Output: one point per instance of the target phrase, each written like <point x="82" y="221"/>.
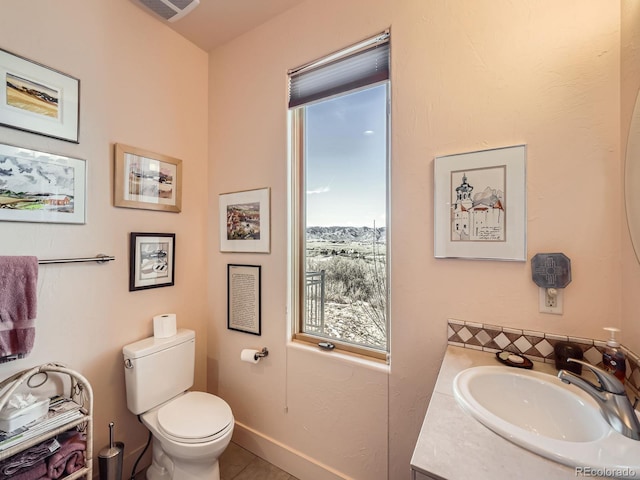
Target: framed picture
<point x="38" y="99"/>
<point x="147" y="180"/>
<point x="244" y="298"/>
<point x="41" y="187"/>
<point x="244" y="221"/>
<point x="152" y="260"/>
<point x="480" y="204"/>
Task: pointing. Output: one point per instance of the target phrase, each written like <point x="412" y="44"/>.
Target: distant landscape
<point x="27" y="184"/>
<point x="354" y="260"/>
<point x="36" y="201"/>
<point x="352" y="241"/>
<point x="243" y="221"/>
<point x="32" y="97"/>
<point x="347" y="234"/>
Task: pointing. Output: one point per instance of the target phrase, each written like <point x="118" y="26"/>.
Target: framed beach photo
<point x="244" y="221"/>
<point x="480" y="205"/>
<point x="147" y="180"/>
<point x="36" y="98"/>
<point x="41" y="187"/>
<point x="152" y="260"/>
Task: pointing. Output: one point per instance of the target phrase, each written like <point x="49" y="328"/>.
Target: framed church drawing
<point x="480" y="205"/>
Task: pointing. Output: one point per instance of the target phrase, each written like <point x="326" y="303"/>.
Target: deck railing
<point x="314" y="302"/>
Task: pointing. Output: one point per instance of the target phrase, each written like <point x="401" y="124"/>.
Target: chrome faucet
<point x="610" y="396"/>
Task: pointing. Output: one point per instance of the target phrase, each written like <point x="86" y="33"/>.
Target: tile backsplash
<point x="537" y="346"/>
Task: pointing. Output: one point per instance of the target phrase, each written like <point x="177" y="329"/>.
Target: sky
<point x="346" y="149"/>
<point x="35" y="176"/>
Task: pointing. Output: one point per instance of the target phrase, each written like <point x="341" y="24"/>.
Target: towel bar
<point x="100" y="258"/>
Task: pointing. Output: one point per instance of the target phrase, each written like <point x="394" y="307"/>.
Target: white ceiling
<point x="215" y="22"/>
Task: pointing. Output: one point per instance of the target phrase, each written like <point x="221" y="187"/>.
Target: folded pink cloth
<point x="57" y="463"/>
<point x="75" y="462"/>
<point x="34" y="473"/>
<point x="18" y="306"/>
<point x="25" y="460"/>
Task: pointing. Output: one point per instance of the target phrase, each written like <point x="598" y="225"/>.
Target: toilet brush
<point x="110" y="458"/>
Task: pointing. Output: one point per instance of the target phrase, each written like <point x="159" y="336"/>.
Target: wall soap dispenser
<point x="613" y="358"/>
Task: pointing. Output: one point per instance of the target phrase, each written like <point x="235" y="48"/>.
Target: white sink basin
<point x="540" y="413"/>
<point x="535" y="402"/>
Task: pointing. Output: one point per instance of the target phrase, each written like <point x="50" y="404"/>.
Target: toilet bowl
<point x="190" y="429"/>
<point x="190" y="433"/>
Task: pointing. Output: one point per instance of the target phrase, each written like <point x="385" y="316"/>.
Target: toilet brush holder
<point x="110" y="459"/>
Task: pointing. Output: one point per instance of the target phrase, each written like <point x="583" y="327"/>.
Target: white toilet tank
<point x="158" y="369"/>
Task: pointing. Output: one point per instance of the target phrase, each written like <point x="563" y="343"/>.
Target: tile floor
<point x="237" y="463"/>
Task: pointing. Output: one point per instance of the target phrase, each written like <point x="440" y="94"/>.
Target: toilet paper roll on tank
<point x="164" y="325"/>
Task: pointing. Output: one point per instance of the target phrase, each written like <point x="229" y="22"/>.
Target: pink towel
<point x="57" y="463"/>
<point x="18" y="305"/>
<point x="75" y="462"/>
<point x="34" y="473"/>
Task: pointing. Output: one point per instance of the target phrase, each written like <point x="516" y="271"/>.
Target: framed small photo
<point x="244" y="298"/>
<point x="41" y="187"/>
<point x="147" y="180"/>
<point x="244" y="221"/>
<point x="152" y="260"/>
<point x="480" y="205"/>
<point x="38" y="99"/>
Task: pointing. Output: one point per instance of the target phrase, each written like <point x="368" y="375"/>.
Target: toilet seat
<point x="195" y="417"/>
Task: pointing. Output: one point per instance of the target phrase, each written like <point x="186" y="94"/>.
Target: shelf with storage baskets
<point x="66" y="414"/>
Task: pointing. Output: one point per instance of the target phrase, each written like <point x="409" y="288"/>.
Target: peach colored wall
<point x="629" y="85"/>
<point x="466" y="75"/>
<point x="337" y="411"/>
<point x="144" y="85"/>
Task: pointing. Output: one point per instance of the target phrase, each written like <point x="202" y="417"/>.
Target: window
<point x="339" y="110"/>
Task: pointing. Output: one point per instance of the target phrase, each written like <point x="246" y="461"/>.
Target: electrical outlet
<point x="550" y="300"/>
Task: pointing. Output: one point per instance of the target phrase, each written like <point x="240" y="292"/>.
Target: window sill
<point x="339" y="354"/>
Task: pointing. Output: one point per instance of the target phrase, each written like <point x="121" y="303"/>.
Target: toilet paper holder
<point x="262" y="353"/>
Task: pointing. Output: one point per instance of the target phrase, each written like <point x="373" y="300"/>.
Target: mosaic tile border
<point x="537" y="346"/>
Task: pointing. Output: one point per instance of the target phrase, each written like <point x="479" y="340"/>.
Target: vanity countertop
<point x="454" y="446"/>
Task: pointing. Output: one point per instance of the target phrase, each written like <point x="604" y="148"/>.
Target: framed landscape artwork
<point x="480" y="205"/>
<point x="147" y="180"/>
<point x="41" y="187"/>
<point x="152" y="260"/>
<point x="244" y="221"/>
<point x="38" y="99"/>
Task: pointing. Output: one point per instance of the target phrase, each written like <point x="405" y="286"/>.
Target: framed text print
<point x="244" y="298"/>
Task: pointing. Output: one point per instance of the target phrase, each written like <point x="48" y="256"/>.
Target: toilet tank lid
<point x="150" y="345"/>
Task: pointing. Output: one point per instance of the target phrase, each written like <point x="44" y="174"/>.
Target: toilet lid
<point x="194" y="415"/>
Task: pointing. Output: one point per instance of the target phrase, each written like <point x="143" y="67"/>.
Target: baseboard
<point x="282" y="456"/>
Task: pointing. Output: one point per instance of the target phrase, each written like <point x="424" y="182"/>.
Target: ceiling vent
<point x="169" y="10"/>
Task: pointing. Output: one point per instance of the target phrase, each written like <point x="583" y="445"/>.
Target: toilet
<point x="190" y="429"/>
